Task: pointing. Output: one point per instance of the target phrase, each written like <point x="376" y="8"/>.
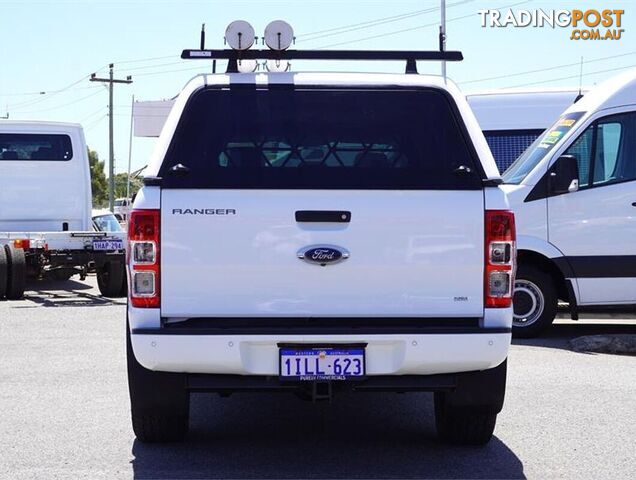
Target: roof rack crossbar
<point x="410" y="56"/>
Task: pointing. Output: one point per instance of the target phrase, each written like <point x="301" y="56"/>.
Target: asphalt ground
<point x="64" y="411"/>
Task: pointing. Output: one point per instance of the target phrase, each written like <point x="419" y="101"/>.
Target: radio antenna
<point x="580" y="95"/>
<point x="442" y="35"/>
<point x="203" y="36"/>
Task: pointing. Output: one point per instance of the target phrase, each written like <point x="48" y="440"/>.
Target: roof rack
<point x="410" y="56"/>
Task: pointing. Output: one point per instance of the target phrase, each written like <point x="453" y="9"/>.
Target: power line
<point x="373" y="23"/>
<point x="570" y="76"/>
<point x="59" y="106"/>
<point x="100" y="109"/>
<point x="419" y="27"/>
<point x="547" y="69"/>
<point x="94" y="123"/>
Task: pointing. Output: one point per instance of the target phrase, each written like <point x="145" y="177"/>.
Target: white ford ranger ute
<point x="319" y="232"/>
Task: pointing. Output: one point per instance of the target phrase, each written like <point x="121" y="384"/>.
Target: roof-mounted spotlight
<point x="279" y="35"/>
<point x="239" y="35"/>
<point x="277" y="65"/>
<point x="247" y="66"/>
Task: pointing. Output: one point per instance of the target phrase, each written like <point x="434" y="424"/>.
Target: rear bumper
<point x="386" y="354"/>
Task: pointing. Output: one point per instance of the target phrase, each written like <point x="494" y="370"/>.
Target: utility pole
<point x="111" y="154"/>
<point x="130" y="136"/>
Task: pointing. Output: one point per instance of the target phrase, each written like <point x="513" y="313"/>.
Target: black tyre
<point x="534" y="302"/>
<point x="123" y="292"/>
<point x="462" y="426"/>
<point x="159" y="402"/>
<point x="16" y="272"/>
<point x="110" y="278"/>
<point x="4" y="272"/>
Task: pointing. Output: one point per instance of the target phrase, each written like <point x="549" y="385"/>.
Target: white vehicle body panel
<point x="258" y="355"/>
<point x="510" y="109"/>
<point x="413" y="253"/>
<point x="42" y="195"/>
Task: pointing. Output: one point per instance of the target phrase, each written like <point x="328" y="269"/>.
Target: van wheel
<point x="16" y="272"/>
<point x="462" y="426"/>
<point x="109" y="279"/>
<point x="159" y="401"/>
<point x="534" y="302"/>
<point x="4" y="272"/>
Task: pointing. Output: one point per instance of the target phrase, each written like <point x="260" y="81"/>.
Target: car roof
<point x="37" y="123"/>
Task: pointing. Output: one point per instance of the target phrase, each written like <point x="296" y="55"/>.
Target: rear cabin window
<point x="35" y="146"/>
<point x="321" y="139"/>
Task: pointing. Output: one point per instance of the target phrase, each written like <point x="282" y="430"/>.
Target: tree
<point x="121" y="180"/>
<point x="99" y="185"/>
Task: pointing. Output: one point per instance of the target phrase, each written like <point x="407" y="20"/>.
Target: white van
<point x="45" y="210"/>
<point x="512" y="119"/>
<point x="574" y="195"/>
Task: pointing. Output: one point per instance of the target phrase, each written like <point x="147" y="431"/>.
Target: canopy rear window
<point x="320" y="139"/>
<point x="35" y="146"/>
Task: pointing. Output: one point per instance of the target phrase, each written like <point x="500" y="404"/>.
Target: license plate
<point x="108" y="244"/>
<point x="320" y="363"/>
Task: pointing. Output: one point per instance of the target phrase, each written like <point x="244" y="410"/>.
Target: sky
<point x="53" y="46"/>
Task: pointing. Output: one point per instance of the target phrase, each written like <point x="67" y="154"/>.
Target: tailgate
<point x="235" y="253"/>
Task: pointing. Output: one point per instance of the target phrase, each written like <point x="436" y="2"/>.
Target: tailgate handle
<point x="333" y="216"/>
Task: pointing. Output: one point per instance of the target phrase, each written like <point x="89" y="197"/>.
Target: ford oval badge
<point x="323" y="254"/>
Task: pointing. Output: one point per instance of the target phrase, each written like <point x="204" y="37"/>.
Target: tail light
<point x="500" y="258"/>
<point x="23" y="243"/>
<point x="143" y="258"/>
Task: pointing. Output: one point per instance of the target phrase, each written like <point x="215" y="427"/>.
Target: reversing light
<point x="143" y="253"/>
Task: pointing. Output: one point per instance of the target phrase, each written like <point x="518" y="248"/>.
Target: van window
<point x="288" y="138"/>
<point x="540" y="148"/>
<point x="581" y="149"/>
<point x="507" y="145"/>
<point x="35" y="146"/>
<point x="615" y="155"/>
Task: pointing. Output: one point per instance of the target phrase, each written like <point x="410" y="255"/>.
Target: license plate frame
<point x="313" y="351"/>
<point x="108" y="244"/>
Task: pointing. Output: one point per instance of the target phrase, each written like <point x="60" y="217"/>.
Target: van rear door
<point x="385" y="178"/>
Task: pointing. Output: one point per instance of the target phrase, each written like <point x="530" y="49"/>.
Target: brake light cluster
<point x="23" y="243"/>
<point x="500" y="258"/>
<point x="144" y="248"/>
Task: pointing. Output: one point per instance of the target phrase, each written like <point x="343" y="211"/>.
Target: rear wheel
<point x="16" y="272"/>
<point x="159" y="401"/>
<point x="110" y="278"/>
<point x="534" y="301"/>
<point x="462" y="426"/>
<point x="4" y="272"/>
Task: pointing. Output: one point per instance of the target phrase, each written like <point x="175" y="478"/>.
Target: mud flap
<point x="481" y="392"/>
